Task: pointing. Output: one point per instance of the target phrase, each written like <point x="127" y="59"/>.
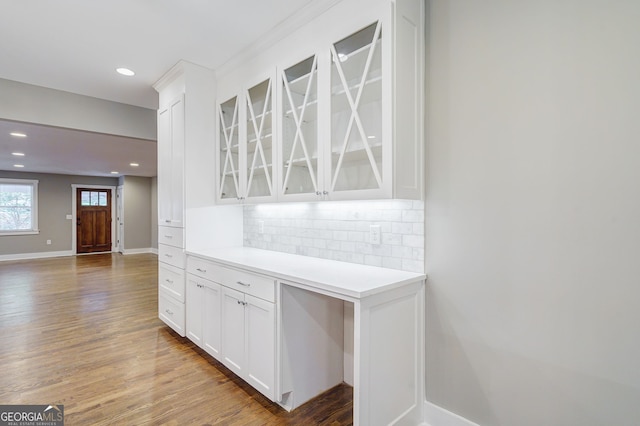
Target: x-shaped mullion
<point x="298" y="122"/>
<point x="355" y="117"/>
<point x="228" y="136"/>
<point x="258" y="130"/>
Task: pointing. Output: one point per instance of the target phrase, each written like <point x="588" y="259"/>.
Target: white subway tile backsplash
<point x="341" y="231"/>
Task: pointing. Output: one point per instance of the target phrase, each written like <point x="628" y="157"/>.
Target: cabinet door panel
<point x="299" y="118"/>
<point x="194" y="305"/>
<point x="177" y="163"/>
<point x="229" y="150"/>
<point x="260" y="368"/>
<point x="211" y="333"/>
<point x="260" y="147"/>
<point x="233" y="330"/>
<point x="164" y="166"/>
<point x="356" y="111"/>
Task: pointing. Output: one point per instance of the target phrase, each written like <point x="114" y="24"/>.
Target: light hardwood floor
<point x="83" y="331"/>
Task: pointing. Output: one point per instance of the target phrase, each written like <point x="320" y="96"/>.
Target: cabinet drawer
<point x="171" y="255"/>
<point x="202" y="268"/>
<point x="171" y="312"/>
<point x="171" y="280"/>
<point x="254" y="284"/>
<point x="171" y="236"/>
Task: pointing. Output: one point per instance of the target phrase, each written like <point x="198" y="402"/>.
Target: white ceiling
<point x="76" y="45"/>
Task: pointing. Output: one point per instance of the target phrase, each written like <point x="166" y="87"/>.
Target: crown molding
<point x="299" y="18"/>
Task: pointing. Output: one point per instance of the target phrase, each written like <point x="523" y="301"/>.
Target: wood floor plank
<point x="83" y="331"/>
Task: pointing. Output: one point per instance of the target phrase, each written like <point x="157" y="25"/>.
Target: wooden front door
<point x="93" y="216"/>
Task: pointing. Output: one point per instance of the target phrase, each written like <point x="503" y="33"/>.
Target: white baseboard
<point x="41" y="255"/>
<point x="154" y="250"/>
<point x="437" y="416"/>
<point x="138" y="251"/>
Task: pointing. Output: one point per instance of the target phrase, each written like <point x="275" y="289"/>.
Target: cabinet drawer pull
<point x="168" y="255"/>
<point x="200" y="285"/>
<point x="167" y="220"/>
<point x="240" y="302"/>
<point x="201" y="270"/>
<point x="168" y="236"/>
<point x="168" y="311"/>
<point x="244" y="284"/>
<point x="169" y="281"/>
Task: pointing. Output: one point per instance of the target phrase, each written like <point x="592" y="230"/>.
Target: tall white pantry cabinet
<point x="185" y="129"/>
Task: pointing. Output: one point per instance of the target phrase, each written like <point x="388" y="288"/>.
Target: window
<point x="93" y="198"/>
<point x="18" y="206"/>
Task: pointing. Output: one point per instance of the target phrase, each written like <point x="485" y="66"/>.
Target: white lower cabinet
<point x="225" y="318"/>
<point x="171" y="287"/>
<point x="248" y="339"/>
<point x="203" y="314"/>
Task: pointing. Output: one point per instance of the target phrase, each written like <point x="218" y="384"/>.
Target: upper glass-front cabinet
<point x="260" y="147"/>
<point x="229" y="146"/>
<point x="299" y="94"/>
<point x="356" y="111"/>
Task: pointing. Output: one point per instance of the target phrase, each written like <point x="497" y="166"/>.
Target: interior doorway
<point x="93" y="220"/>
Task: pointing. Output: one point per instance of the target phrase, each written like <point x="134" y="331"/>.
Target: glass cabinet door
<point x="260" y="149"/>
<point x="356" y="111"/>
<point x="229" y="150"/>
<point x="299" y="168"/>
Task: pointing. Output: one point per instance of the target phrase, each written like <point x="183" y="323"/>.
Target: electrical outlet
<point x="374" y="234"/>
<point x="261" y="226"/>
<point x="48" y="242"/>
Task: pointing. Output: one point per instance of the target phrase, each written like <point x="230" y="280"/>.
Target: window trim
<point x="34" y="207"/>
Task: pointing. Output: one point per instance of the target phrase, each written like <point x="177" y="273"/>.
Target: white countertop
<point x="341" y="278"/>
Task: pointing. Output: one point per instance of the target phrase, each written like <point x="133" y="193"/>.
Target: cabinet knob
<point x="325" y="192"/>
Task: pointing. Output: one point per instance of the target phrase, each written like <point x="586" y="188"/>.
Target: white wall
<point x="533" y="211"/>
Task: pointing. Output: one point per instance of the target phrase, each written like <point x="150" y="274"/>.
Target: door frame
<point x="74" y="205"/>
<point x="120" y="218"/>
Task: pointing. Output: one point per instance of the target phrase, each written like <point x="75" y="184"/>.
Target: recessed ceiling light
<point x="134" y="164"/>
<point x="18" y="165"/>
<point x="114" y="172"/>
<point x="18" y="154"/>
<point x="125" y="71"/>
<point x="18" y="134"/>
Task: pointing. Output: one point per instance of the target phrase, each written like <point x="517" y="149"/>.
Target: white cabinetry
<point x="171" y="163"/>
<point x="246" y="147"/>
<point x="203" y="314"/>
<point x="349" y="113"/>
<point x="185" y="136"/>
<point x="231" y="315"/>
<point x="285" y="329"/>
<point x="248" y="339"/>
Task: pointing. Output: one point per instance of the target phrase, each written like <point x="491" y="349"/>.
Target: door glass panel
<point x="356" y="111"/>
<point x="93" y="198"/>
<point x="259" y="140"/>
<point x="299" y="127"/>
<point x="229" y="148"/>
